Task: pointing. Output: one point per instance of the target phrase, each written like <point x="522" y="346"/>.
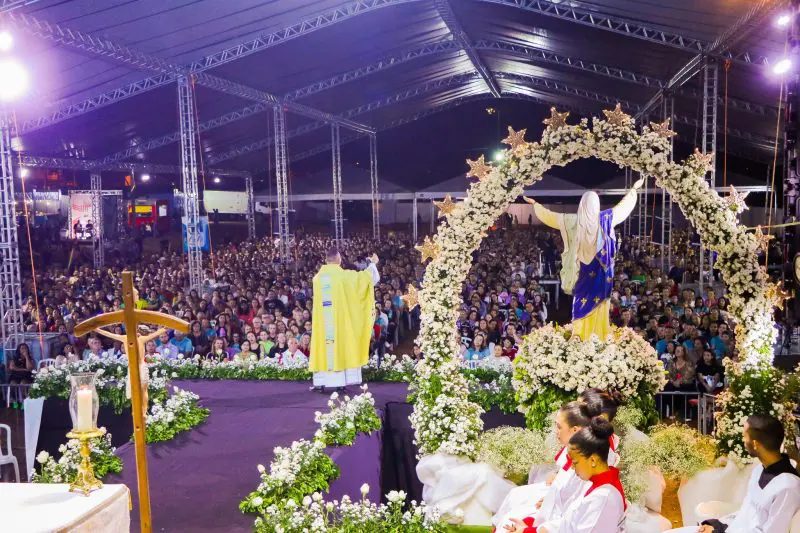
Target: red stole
<point x="610" y="477"/>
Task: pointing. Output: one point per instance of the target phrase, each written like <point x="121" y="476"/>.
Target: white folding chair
<point x="46" y="363"/>
<point x="8" y="459"/>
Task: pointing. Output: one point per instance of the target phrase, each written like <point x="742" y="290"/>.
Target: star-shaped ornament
<point x="479" y="168"/>
<point x="446" y="206"/>
<point x="735" y="200"/>
<point x="706" y="159"/>
<point x="777" y="294"/>
<point x="557" y="120"/>
<point x="662" y="129"/>
<point x="411" y="298"/>
<point x="763" y="238"/>
<point x="617" y="117"/>
<point x="515" y="139"/>
<point x="428" y="249"/>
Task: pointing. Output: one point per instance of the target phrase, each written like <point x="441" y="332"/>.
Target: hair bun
<point x="601" y="428"/>
<point x="616" y="396"/>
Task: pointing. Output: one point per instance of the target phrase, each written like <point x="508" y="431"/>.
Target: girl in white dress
<point x="601" y="508"/>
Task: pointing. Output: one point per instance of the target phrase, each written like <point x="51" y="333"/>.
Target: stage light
<point x="6" y="41"/>
<point x="24" y="172"/>
<point x="145" y="177"/>
<point x="217" y="180"/>
<point x="13" y="80"/>
<point x="783" y="20"/>
<point x="782" y="67"/>
<point x="499" y="155"/>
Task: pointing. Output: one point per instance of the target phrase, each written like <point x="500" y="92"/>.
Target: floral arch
<point x="444" y="419"/>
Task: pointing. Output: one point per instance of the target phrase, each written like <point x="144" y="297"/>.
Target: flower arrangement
<point x="492" y="391"/>
<point x="677" y="451"/>
<point x="347" y="418"/>
<point x="178" y="413"/>
<point x="512" y="451"/>
<point x="554" y="366"/>
<point x="313" y="513"/>
<point x="755" y="390"/>
<point x="295" y="472"/>
<point x="65" y="469"/>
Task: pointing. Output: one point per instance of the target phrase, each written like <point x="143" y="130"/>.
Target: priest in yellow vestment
<point x="342" y="321"/>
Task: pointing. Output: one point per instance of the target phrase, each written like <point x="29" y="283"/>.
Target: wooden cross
<point x="132" y="318"/>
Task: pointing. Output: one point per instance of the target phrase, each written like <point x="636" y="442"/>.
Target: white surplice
<point x="601" y="511"/>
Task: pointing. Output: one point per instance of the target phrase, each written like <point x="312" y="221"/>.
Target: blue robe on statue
<point x="592" y="292"/>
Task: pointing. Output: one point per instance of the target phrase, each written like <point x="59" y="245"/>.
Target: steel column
<point x="191" y="205"/>
<point x="251" y="208"/>
<point x="414" y="229"/>
<point x="710" y="93"/>
<point x="373" y="174"/>
<point x="98" y="252"/>
<point x="11" y="322"/>
<point x="122" y="216"/>
<point x="282" y="178"/>
<point x="669" y="114"/>
<point x="336" y="156"/>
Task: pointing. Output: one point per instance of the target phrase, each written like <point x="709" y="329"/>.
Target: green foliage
<point x="65" y="469"/>
<point x="542" y="403"/>
<point x="346" y="419"/>
<point x="512" y="451"/>
<point x="490" y="389"/>
<point x="179" y="413"/>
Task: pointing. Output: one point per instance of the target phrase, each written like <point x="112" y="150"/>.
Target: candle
<point x="85" y="422"/>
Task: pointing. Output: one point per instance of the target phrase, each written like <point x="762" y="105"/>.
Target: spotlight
<point x="6" y="41"/>
<point x="24" y="172"/>
<point x="13" y="80"/>
<point x="782" y="67"/>
<point x="499" y="155"/>
<point x="783" y="20"/>
<point x="145" y="177"/>
<point x="217" y="180"/>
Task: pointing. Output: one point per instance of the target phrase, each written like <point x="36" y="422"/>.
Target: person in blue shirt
<point x="183" y="343"/>
<point x="719" y="344"/>
<point x="478" y="350"/>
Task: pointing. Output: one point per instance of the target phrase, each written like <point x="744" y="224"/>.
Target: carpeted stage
<point x="198" y="479"/>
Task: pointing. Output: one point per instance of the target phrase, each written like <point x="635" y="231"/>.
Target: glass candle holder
<point x="83" y="402"/>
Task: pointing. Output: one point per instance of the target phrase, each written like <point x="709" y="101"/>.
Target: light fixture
<point x="782" y="67"/>
<point x="499" y="155"/>
<point x="24" y="172"/>
<point x="145" y="177"/>
<point x="783" y="20"/>
<point x="6" y="41"/>
<point x="217" y="180"/>
<point x="13" y="80"/>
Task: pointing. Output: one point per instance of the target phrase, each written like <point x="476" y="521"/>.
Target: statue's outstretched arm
<point x="548" y="218"/>
<point x="625" y="206"/>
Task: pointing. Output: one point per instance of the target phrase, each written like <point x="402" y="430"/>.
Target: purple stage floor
<point x="198" y="479"/>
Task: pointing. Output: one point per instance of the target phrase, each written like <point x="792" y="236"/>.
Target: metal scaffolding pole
<point x="433" y="218"/>
<point x="10" y="282"/>
<point x="251" y="208"/>
<point x="336" y="165"/>
<point x="122" y="215"/>
<point x="669" y="114"/>
<point x="710" y="93"/>
<point x="191" y="205"/>
<point x="414" y="229"/>
<point x="97" y="220"/>
<point x="373" y="174"/>
<point x="626" y="226"/>
<point x="282" y="178"/>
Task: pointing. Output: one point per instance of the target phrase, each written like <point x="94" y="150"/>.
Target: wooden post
<point x="131" y="317"/>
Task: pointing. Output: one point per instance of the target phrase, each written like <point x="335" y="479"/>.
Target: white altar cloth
<point x="50" y="508"/>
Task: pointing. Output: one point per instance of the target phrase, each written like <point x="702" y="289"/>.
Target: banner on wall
<point x="202" y="235"/>
<point x="81" y="225"/>
<point x="226" y="202"/>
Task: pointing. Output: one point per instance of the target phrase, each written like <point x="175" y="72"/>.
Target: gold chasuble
<point x="342" y="321"/>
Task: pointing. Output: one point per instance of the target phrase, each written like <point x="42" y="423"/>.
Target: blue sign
<point x="201" y="239"/>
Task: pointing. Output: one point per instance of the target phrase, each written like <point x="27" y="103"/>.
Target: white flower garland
<point x="460" y="235"/>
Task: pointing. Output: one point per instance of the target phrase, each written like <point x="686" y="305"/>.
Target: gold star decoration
<point x="617" y="117"/>
<point x="662" y="129"/>
<point x="446" y="206"/>
<point x="706" y="159"/>
<point x="478" y="169"/>
<point x="515" y="139"/>
<point x="763" y="238"/>
<point x="428" y="249"/>
<point x="583" y="301"/>
<point x="557" y="120"/>
<point x="411" y="298"/>
<point x="735" y="200"/>
<point x="777" y="294"/>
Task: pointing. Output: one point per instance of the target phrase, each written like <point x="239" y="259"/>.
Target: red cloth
<point x="610" y="477"/>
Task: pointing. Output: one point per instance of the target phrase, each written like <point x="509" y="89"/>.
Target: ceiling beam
<point x="735" y="33"/>
<point x="91" y="165"/>
<point x="627" y="27"/>
<point x="10" y="5"/>
<point x="450" y="20"/>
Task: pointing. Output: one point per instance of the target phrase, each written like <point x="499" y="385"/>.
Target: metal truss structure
<point x="336" y="171"/>
<point x="11" y="322"/>
<point x="98" y="252"/>
<point x="460" y="36"/>
<point x="10" y="5"/>
<point x="374" y="190"/>
<point x="191" y="200"/>
<point x="709" y="144"/>
<point x="668" y="113"/>
<point x="90" y="165"/>
<point x="282" y="178"/>
<point x="121" y="216"/>
<point x="251" y="208"/>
